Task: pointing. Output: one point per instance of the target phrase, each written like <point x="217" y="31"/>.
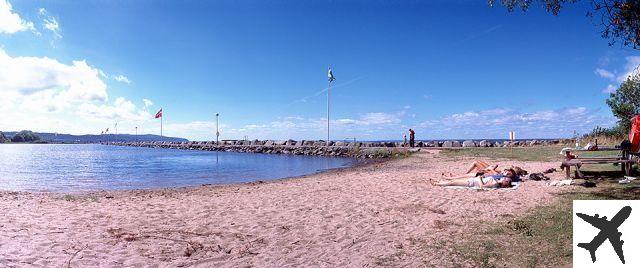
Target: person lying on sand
<point x="480" y="168"/>
<point x="501" y="180"/>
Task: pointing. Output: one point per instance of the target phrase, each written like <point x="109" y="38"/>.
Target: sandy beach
<point x="382" y="214"/>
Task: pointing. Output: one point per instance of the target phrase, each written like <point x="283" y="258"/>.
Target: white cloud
<point x="378" y="119"/>
<point x="49" y="22"/>
<point x="346" y="121"/>
<point x="496" y="123"/>
<point x="609" y="89"/>
<point x="29" y="75"/>
<point x="630" y="67"/>
<point x="147" y="103"/>
<point x="196" y="130"/>
<point x="44" y="94"/>
<point x="489" y="123"/>
<point x="11" y="22"/>
<point x="120" y="110"/>
<point x="605" y="74"/>
<point x="122" y="78"/>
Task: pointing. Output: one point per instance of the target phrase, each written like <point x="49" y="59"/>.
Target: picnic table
<point x="624" y="159"/>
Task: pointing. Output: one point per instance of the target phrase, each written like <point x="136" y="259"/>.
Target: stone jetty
<point x="335" y="148"/>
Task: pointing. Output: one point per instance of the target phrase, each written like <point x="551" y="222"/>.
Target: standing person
<point x="404" y="137"/>
<point x="412" y="138"/>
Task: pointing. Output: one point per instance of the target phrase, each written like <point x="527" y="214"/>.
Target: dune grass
<point x="540" y="238"/>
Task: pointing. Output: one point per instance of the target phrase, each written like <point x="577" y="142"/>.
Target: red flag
<point x="159" y="113"/>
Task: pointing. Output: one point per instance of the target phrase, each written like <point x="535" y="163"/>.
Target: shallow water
<point x="83" y="167"/>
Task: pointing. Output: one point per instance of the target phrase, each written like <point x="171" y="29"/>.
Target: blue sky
<point x="449" y="69"/>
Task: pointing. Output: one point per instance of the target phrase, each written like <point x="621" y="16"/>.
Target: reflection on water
<point x="73" y="167"/>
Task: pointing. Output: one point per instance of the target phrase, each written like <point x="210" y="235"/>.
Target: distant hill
<point x="68" y="138"/>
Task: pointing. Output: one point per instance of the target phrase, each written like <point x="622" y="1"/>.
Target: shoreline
<point x="88" y="193"/>
<point x="363" y="215"/>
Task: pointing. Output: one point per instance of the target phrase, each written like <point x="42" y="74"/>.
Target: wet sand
<point x="372" y="215"/>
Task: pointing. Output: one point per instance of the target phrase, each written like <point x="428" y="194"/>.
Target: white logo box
<point x="584" y="232"/>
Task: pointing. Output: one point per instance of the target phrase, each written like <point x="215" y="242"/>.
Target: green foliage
<point x="619" y="19"/>
<point x="625" y="102"/>
<point x="538" y="153"/>
<point x="3" y="138"/>
<point x="25" y="136"/>
<point x="612" y="132"/>
<point x="552" y="6"/>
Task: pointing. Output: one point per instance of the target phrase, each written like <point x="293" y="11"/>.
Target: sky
<point x="448" y="69"/>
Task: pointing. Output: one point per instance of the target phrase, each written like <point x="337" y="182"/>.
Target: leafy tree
<point x="25" y="136"/>
<point x="3" y="138"/>
<point x="619" y="19"/>
<point x="625" y="102"/>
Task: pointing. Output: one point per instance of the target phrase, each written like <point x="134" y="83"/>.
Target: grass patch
<point x="80" y="198"/>
<point x="542" y="237"/>
<point x="537" y="153"/>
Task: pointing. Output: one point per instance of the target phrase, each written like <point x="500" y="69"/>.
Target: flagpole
<point x="331" y="79"/>
<point x="328" y="103"/>
<point x="161" y="116"/>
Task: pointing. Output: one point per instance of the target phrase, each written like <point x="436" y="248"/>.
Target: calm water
<point x="71" y="168"/>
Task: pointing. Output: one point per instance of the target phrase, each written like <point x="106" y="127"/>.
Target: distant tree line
<point x="3" y="138"/>
<point x="22" y="136"/>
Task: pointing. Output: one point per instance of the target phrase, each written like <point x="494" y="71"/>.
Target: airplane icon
<point x="608" y="230"/>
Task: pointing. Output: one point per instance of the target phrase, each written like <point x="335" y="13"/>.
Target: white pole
<point x="328" y="105"/>
<point x="217" y="129"/>
<point x="161" y="116"/>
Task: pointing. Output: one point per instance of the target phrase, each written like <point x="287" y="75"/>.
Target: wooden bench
<point x="624" y="159"/>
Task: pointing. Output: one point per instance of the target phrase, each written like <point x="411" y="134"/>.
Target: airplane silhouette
<point x="608" y="230"/>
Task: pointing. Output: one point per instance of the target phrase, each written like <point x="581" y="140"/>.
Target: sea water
<point x="85" y="167"/>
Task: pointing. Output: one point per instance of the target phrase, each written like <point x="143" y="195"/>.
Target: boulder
<point x="456" y="144"/>
<point x="257" y="142"/>
<point x="308" y="143"/>
<point x="268" y="143"/>
<point x="468" y="143"/>
<point x="484" y="143"/>
<point x="340" y="143"/>
<point x="290" y="143"/>
<point x="447" y="144"/>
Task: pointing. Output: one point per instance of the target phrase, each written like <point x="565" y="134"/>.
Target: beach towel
<point x="561" y="183"/>
<point x="514" y="186"/>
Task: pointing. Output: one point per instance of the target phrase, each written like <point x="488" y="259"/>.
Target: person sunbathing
<point x="480" y="168"/>
<point x="476" y="169"/>
<point x="501" y="180"/>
